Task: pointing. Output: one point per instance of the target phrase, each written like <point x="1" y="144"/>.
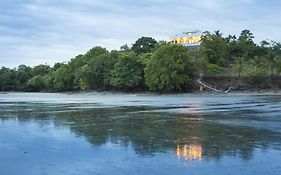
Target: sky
<point x="36" y="32"/>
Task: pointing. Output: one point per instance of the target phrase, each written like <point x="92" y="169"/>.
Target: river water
<point x="113" y="133"/>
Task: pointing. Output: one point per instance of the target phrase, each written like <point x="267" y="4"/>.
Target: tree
<point x="41" y="70"/>
<point x="85" y="81"/>
<point x="239" y="65"/>
<point x="144" y="45"/>
<point x="246" y="37"/>
<point x="7" y="79"/>
<point x="169" y="69"/>
<point x="124" y="48"/>
<point x="276" y="47"/>
<point x="246" y="44"/>
<point x="76" y="65"/>
<point x="23" y="74"/>
<point x="48" y="81"/>
<point x="264" y="43"/>
<point x="101" y="67"/>
<point x="272" y="61"/>
<point x="92" y="53"/>
<point x="127" y="72"/>
<point x="108" y="66"/>
<point x="36" y="83"/>
<point x="96" y="72"/>
<point x="262" y="50"/>
<point x="145" y="58"/>
<point x="278" y="66"/>
<point x="87" y="68"/>
<point x="63" y="78"/>
<point x="57" y="65"/>
<point x="215" y="48"/>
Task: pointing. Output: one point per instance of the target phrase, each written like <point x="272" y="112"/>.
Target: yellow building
<point x="188" y="39"/>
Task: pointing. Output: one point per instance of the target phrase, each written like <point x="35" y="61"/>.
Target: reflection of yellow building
<point x="189" y="152"/>
<point x="188" y="39"/>
<point x="192" y="108"/>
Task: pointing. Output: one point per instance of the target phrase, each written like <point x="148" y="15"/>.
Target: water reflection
<point x="189" y="136"/>
<point x="189" y="152"/>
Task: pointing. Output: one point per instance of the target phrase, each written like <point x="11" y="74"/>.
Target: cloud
<point x="49" y="31"/>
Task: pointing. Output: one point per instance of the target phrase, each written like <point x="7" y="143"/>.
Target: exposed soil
<point x="244" y="83"/>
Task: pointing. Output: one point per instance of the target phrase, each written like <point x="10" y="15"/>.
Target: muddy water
<point x="104" y="133"/>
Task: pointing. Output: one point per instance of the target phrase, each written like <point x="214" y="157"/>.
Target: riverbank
<point x="145" y="93"/>
<point x="256" y="84"/>
<point x="235" y="85"/>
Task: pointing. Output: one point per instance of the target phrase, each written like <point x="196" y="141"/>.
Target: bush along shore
<point x="221" y="62"/>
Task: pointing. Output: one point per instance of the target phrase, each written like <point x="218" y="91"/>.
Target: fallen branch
<point x="212" y="88"/>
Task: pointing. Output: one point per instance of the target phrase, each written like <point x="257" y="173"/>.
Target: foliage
<point x="23" y="74"/>
<point x="239" y="65"/>
<point x="169" y="69"/>
<point x="144" y="45"/>
<point x="215" y="48"/>
<point x="63" y="79"/>
<point x="41" y="70"/>
<point x="127" y="72"/>
<point x="246" y="44"/>
<point x="7" y="79"/>
<point x="36" y="83"/>
<point x="145" y="58"/>
<point x="272" y="61"/>
<point x="213" y="69"/>
<point x="159" y="66"/>
<point x="92" y="53"/>
<point x="255" y="72"/>
<point x="95" y="72"/>
<point x="125" y="48"/>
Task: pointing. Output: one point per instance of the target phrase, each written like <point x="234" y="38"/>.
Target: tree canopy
<point x="169" y="69"/>
<point x="127" y="72"/>
<point x="144" y="45"/>
<point x="151" y="65"/>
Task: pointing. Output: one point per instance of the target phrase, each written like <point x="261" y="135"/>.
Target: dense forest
<point x="151" y="65"/>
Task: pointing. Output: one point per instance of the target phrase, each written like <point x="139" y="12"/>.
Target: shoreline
<point x="234" y="92"/>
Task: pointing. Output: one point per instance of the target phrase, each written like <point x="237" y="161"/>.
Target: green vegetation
<point x="151" y="65"/>
<point x="169" y="69"/>
<point x="127" y="72"/>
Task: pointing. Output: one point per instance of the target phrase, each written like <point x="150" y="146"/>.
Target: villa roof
<point x="189" y="34"/>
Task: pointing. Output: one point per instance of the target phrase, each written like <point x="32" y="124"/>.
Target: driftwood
<point x="204" y="85"/>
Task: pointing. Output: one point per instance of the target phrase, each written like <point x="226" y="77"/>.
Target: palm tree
<point x="239" y="65"/>
<point x="272" y="61"/>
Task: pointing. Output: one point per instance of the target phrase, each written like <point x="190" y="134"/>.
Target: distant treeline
<point x="151" y="65"/>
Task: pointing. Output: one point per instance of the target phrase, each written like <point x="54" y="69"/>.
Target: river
<point x="115" y="133"/>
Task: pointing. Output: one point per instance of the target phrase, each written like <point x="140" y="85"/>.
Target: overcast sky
<point x="36" y="32"/>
